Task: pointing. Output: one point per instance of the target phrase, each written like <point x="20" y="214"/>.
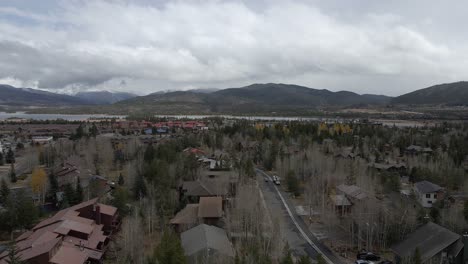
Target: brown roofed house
<point x="78" y="234"/>
<point x="210" y="209"/>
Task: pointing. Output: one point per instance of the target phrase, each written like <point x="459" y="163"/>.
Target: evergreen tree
<point x="306" y="260"/>
<point x="78" y="192"/>
<point x="4" y="191"/>
<point x="121" y="180"/>
<point x="287" y="258"/>
<point x="465" y="211"/>
<point x="169" y="250"/>
<point x="417" y="257"/>
<point x="54" y="188"/>
<point x="293" y="183"/>
<point x="10" y="156"/>
<point x="139" y="187"/>
<point x="69" y="194"/>
<point x="93" y="131"/>
<point x="26" y="211"/>
<point x="79" y="132"/>
<point x="149" y="153"/>
<point x="13" y="255"/>
<point x="434" y="214"/>
<point x="13" y="178"/>
<point x="120" y="200"/>
<point x="320" y="260"/>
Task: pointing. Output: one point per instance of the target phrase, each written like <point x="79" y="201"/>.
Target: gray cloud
<point x="138" y="47"/>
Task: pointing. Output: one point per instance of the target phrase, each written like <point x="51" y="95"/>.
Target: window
<point x="428" y="195"/>
<point x="430" y="202"/>
<point x="435" y="195"/>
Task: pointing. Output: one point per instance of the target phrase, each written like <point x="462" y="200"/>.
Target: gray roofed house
<point x="428" y="193"/>
<point x="206" y="241"/>
<point x="352" y="192"/>
<point x="414" y="149"/>
<point x="340" y="203"/>
<point x="427" y="187"/>
<point x="196" y="189"/>
<point x="433" y="241"/>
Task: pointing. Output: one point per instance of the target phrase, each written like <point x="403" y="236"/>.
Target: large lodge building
<point x="76" y="235"/>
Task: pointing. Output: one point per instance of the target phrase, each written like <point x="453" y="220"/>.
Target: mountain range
<point x="255" y="98"/>
<point x="104" y="97"/>
<point x="441" y="94"/>
<point x="13" y="96"/>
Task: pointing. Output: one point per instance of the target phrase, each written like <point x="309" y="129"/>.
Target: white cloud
<point x="96" y="44"/>
<point x="9" y="80"/>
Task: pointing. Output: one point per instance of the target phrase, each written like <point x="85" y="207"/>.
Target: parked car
<point x="276" y="180"/>
<point x="368" y="256"/>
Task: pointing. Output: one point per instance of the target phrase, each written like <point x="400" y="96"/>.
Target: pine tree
<point x="13" y="178"/>
<point x="78" y="192"/>
<point x="417" y="256"/>
<point x="139" y="187"/>
<point x="149" y="153"/>
<point x="465" y="211"/>
<point x="293" y="183"/>
<point x="26" y="211"/>
<point x="306" y="260"/>
<point x="169" y="250"/>
<point x="54" y="188"/>
<point x="10" y="157"/>
<point x="69" y="194"/>
<point x="320" y="259"/>
<point x="287" y="258"/>
<point x="13" y="256"/>
<point x="4" y="191"/>
<point x="121" y="180"/>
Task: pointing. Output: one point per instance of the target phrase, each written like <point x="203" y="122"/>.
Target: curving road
<point x="312" y="245"/>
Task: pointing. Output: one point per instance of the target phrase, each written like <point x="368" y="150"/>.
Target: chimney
<point x="97" y="211"/>
<point x="465" y="247"/>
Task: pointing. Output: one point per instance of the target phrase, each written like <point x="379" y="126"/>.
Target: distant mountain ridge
<point x="10" y="95"/>
<point x="104" y="97"/>
<point x="23" y="97"/>
<point x="249" y="99"/>
<point x="255" y="98"/>
<point x="442" y="94"/>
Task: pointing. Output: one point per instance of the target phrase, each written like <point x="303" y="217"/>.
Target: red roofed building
<point x="78" y="234"/>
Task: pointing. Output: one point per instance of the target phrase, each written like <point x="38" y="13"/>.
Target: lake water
<point x="398" y="123"/>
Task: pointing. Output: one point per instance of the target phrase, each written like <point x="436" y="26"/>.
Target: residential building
<point x="185" y="218"/>
<point x="399" y="168"/>
<point x="352" y="192"/>
<point x="207" y="242"/>
<point x="68" y="173"/>
<point x="428" y="193"/>
<point x="193" y="190"/>
<point x="340" y="203"/>
<point x="42" y="139"/>
<point x="414" y="149"/>
<point x="435" y="243"/>
<point x="79" y="234"/>
<point x="208" y="211"/>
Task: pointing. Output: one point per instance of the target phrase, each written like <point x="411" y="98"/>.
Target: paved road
<point x="312" y="246"/>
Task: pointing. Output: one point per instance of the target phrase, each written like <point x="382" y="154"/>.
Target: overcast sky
<point x="143" y="46"/>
